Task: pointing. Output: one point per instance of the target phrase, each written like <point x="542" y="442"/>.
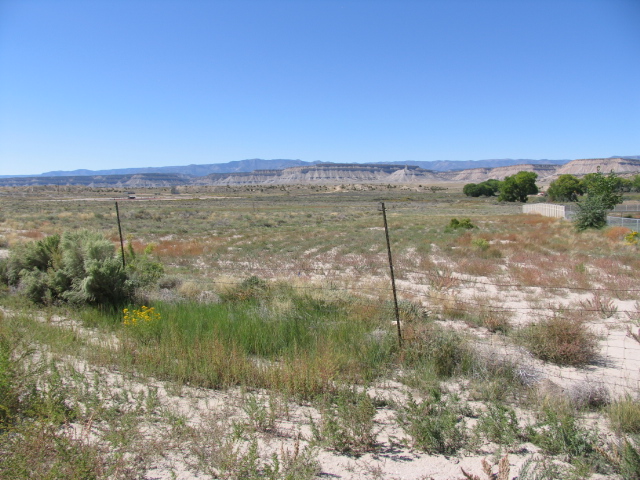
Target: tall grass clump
<point x="443" y="351"/>
<point x="624" y="415"/>
<point x="284" y="340"/>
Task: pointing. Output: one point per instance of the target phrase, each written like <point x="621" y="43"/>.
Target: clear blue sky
<point x="130" y="83"/>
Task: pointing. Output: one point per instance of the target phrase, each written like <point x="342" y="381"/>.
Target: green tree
<point x="626" y="185"/>
<point x="592" y="213"/>
<point x="603" y="193"/>
<point x="565" y="188"/>
<point x="471" y="190"/>
<point x="605" y="186"/>
<point x="516" y="188"/>
<point x="487" y="188"/>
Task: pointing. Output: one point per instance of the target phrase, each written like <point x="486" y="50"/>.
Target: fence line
<point x="568" y="211"/>
<point x="616" y="370"/>
<point x="444" y="297"/>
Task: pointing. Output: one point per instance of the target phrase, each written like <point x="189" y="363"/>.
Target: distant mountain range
<point x="280" y="164"/>
<point x="250" y="165"/>
<point x="270" y="172"/>
<point x="192" y="170"/>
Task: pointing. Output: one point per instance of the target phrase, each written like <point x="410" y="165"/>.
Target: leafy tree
<point x="487" y="188"/>
<point x="626" y="185"/>
<point x="603" y="193"/>
<point x="565" y="188"/>
<point x="471" y="190"/>
<point x="635" y="183"/>
<point x="605" y="186"/>
<point x="592" y="213"/>
<point x="516" y="188"/>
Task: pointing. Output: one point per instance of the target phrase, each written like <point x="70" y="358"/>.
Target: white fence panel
<point x="546" y="209"/>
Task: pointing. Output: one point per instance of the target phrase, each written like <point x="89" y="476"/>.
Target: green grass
<point x="281" y="339"/>
<point x="624" y="415"/>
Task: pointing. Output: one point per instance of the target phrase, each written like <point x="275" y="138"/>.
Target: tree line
<point x="595" y="194"/>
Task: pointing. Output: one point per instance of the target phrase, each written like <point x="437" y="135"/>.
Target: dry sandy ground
<point x="392" y="458"/>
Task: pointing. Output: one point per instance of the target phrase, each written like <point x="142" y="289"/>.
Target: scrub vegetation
<point x="252" y="333"/>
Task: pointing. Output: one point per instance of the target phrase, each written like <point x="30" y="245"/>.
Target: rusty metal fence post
<point x="393" y="279"/>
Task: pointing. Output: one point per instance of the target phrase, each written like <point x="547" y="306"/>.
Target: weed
<point x="441" y="280"/>
<point x="435" y="425"/>
<point x="616" y="233"/>
<point x="346" y="424"/>
<point x="634" y="316"/>
<point x="624" y="457"/>
<point x="445" y="351"/>
<point x="589" y="395"/>
<point x="263" y="417"/>
<point x="561" y="340"/>
<point x="557" y="432"/>
<point x="499" y="424"/>
<point x="251" y="288"/>
<point x="602" y="305"/>
<point x="487" y="469"/>
<point x="481" y="244"/>
<point x="222" y="454"/>
<point x="540" y="468"/>
<point x="41" y="451"/>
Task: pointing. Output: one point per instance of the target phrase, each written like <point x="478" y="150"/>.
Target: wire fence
<point x="471" y="305"/>
<point x="606" y="308"/>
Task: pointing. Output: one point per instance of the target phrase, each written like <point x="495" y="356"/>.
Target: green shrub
<point x="78" y="267"/>
<point x="455" y="224"/>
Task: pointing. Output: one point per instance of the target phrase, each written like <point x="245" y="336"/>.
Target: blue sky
<point x="131" y="83"/>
